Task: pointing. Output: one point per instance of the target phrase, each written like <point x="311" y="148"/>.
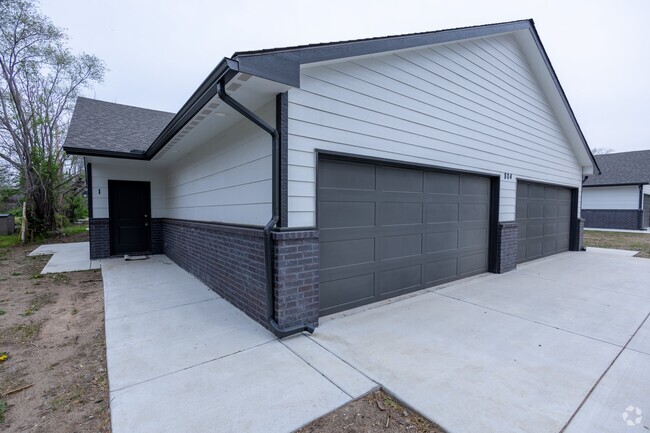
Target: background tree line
<point x="40" y="79"/>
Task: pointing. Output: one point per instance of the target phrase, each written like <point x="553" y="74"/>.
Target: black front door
<point x="129" y="206"/>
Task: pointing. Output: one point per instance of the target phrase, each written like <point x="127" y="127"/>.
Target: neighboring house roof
<point x="625" y="168"/>
<point x="99" y="125"/>
<point x="282" y="65"/>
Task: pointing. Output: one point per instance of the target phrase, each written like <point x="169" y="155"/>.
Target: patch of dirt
<point x="374" y="413"/>
<point x="52" y="330"/>
<point x="620" y="240"/>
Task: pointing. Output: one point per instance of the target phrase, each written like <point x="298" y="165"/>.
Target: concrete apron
<point x="560" y="344"/>
<point x="180" y="359"/>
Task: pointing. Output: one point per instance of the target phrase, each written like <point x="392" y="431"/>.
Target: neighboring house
<point x="620" y="197"/>
<point x="298" y="182"/>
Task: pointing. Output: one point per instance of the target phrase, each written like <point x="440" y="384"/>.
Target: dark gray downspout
<point x="275" y="211"/>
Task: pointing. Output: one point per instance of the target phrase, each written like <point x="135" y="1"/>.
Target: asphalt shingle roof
<point x="623" y="168"/>
<point x="101" y="125"/>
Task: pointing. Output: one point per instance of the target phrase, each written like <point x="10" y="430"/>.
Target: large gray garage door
<point x="386" y="231"/>
<point x="544" y="220"/>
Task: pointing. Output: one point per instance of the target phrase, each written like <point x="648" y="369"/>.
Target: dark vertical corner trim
<point x="495" y="189"/>
<point x="641" y="197"/>
<point x="574" y="235"/>
<point x="282" y="126"/>
<point x="89" y="187"/>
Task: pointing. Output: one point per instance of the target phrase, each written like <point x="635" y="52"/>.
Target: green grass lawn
<point x="9" y="240"/>
<point x="620" y="241"/>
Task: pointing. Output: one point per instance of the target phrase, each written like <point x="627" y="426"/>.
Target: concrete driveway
<point x="559" y="345"/>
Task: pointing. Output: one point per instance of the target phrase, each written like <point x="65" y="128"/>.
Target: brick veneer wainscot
<point x="628" y="219"/>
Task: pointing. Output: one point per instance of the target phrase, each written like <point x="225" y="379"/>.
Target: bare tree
<point x="40" y="79"/>
<point x="601" y="150"/>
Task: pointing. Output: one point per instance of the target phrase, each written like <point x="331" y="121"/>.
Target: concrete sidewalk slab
<point x="351" y="381"/>
<point x="148" y="285"/>
<point x="629" y="275"/>
<point x="148" y="345"/>
<point x="263" y="389"/>
<point x="601" y="314"/>
<point x="182" y="359"/>
<point x="642" y="232"/>
<point x="641" y="341"/>
<point x="69" y="257"/>
<point x="612" y="251"/>
<point x="468" y="368"/>
<point x="624" y="388"/>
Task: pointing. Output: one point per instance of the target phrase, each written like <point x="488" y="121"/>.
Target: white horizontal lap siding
<point x="611" y="197"/>
<point x="120" y="169"/>
<point x="472" y="106"/>
<point x="227" y="179"/>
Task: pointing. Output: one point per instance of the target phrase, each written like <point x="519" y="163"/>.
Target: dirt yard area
<point x="374" y="413"/>
<point x="620" y="241"/>
<point x="53" y="374"/>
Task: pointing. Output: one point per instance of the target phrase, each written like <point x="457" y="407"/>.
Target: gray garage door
<point x="646" y="211"/>
<point x="544" y="220"/>
<point x="386" y="231"/>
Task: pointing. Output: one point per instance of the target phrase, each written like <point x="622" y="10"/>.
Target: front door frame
<point x="114" y="185"/>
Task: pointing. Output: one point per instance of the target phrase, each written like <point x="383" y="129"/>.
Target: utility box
<point x="7" y="224"/>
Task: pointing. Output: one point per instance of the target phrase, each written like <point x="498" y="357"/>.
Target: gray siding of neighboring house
<point x="472" y="106"/>
<point x="612" y="207"/>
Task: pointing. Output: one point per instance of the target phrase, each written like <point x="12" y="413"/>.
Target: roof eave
<point x="79" y="151"/>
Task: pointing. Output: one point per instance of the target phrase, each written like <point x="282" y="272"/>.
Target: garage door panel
<point x="396" y="247"/>
<point x="440" y="271"/>
<point x="346" y="175"/>
<point x="428" y="228"/>
<point x="441" y="212"/>
<point x="475" y="212"/>
<point x="400" y="180"/>
<point x="544" y="220"/>
<point x="337" y="295"/>
<point x="441" y="241"/>
<point x="400" y="213"/>
<point x="441" y="183"/>
<point x="474" y="186"/>
<point x="470" y="238"/>
<point x="338" y="214"/>
<point x="400" y="279"/>
<point x="347" y="253"/>
<point x="472" y="264"/>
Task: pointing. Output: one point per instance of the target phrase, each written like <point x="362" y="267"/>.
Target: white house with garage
<point x="619" y="198"/>
<point x="302" y="181"/>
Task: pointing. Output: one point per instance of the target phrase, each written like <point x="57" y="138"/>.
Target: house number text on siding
<point x="507" y="176"/>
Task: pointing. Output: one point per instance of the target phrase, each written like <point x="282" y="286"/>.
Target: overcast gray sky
<point x="159" y="51"/>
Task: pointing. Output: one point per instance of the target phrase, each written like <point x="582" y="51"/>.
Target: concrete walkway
<point x="68" y="257"/>
<point x="560" y="344"/>
<point x="181" y="359"/>
<point x="643" y="232"/>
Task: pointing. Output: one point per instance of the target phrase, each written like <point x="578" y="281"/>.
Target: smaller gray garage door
<point x="544" y="220"/>
<point x="646" y="211"/>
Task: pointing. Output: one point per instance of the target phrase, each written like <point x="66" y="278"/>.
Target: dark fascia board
<point x="338" y="50"/>
<point x="103" y="153"/>
<point x="551" y="70"/>
<point x="225" y="71"/>
<point x="283" y="64"/>
<point x="617" y="184"/>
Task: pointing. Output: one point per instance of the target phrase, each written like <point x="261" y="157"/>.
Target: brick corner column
<point x="507" y="246"/>
<point x="296" y="278"/>
<point x="99" y="237"/>
<point x="581" y="234"/>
